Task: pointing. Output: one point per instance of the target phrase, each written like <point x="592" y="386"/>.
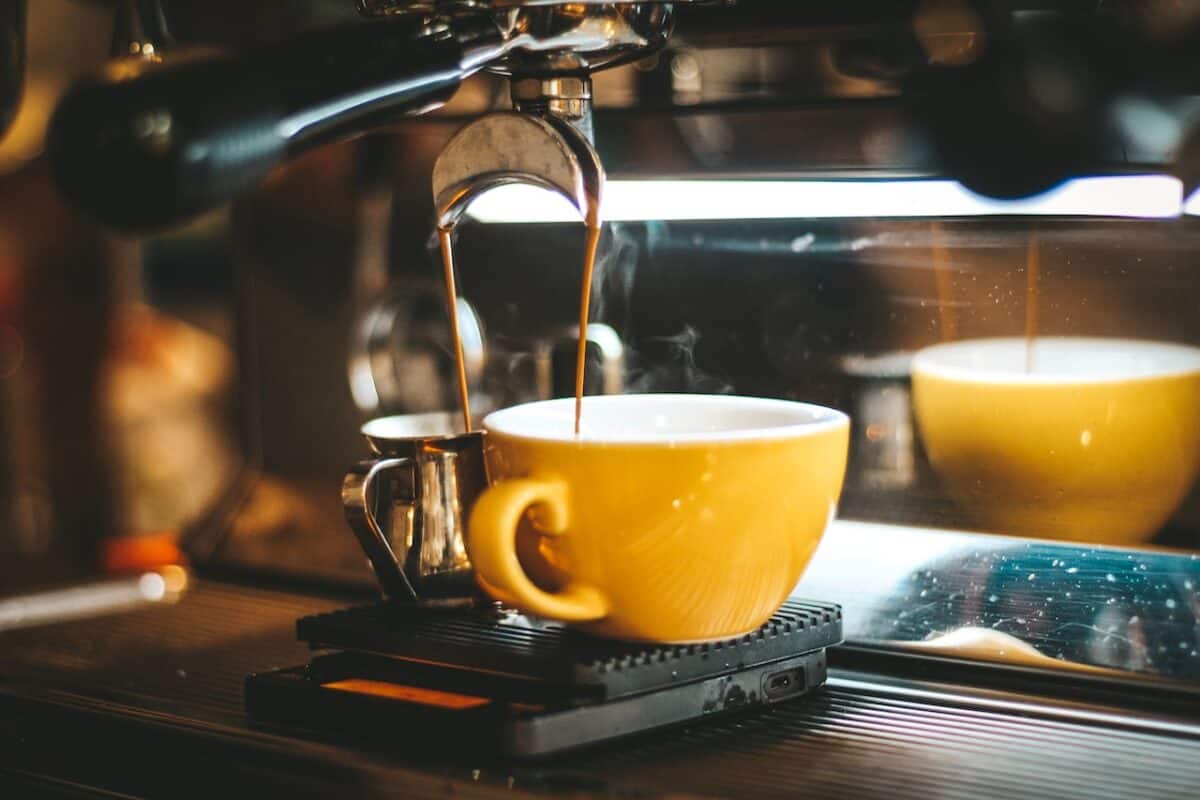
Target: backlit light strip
<point x="1191" y="206"/>
<point x="1140" y="196"/>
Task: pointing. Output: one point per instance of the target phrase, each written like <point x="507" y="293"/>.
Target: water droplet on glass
<point x="1170" y="602"/>
<point x="992" y="598"/>
<point x="802" y="243"/>
<point x="1110" y="578"/>
<point x="1072" y="570"/>
<point x="1033" y="576"/>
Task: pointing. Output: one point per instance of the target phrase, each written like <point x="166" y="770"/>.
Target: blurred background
<point x="197" y="392"/>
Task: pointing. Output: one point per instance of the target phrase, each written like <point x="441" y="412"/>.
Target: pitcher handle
<point x="357" y="490"/>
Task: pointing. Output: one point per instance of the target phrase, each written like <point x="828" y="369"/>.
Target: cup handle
<point x="492" y="546"/>
<point x="357" y="492"/>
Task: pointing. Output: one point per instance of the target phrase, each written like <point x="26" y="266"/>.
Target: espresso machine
<point x="194" y="132"/>
<point x="273" y="180"/>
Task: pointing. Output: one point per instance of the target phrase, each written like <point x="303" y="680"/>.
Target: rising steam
<point x="674" y="368"/>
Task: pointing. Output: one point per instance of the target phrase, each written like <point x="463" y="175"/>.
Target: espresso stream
<point x="1032" y="270"/>
<point x="585" y="305"/>
<point x="464" y="394"/>
<point x="594" y="229"/>
<point x="943" y="276"/>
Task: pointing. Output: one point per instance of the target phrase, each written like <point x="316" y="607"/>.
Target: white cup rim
<point x="791" y="420"/>
<point x="987" y="361"/>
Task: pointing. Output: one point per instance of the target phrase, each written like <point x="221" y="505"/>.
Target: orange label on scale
<point x="409" y="694"/>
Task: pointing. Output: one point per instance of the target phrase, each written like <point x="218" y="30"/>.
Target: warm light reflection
<point x="1145" y="196"/>
<point x="175" y="578"/>
<point x="152" y="586"/>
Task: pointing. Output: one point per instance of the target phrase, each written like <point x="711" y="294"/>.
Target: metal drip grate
<point x="554" y="654"/>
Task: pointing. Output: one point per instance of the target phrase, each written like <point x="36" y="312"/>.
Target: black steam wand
<point x="152" y="142"/>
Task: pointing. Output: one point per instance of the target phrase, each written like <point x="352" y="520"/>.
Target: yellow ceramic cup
<point x="673" y="518"/>
<point x="1099" y="443"/>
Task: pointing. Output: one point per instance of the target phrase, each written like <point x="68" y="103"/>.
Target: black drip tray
<point x="509" y="684"/>
<point x="552" y="655"/>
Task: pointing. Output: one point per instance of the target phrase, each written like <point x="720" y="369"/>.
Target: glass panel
<point x="1088" y="431"/>
<point x="1093" y="611"/>
<point x="990" y="523"/>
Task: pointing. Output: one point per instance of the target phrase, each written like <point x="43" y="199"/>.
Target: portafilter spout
<point x="543" y="146"/>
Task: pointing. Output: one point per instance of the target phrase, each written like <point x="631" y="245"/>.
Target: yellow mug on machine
<point x="1093" y="440"/>
<point x="671" y="518"/>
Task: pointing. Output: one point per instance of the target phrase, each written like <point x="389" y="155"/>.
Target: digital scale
<point x="508" y="684"/>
